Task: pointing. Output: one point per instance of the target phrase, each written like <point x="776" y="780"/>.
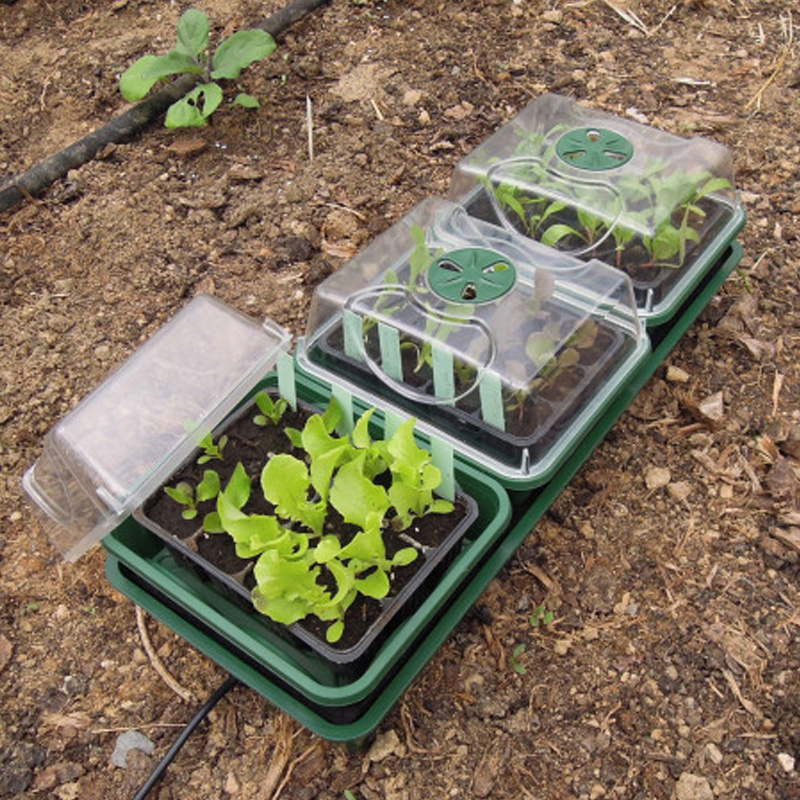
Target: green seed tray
<point x="130" y="569"/>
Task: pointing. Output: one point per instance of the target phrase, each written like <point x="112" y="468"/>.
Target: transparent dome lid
<point x="104" y="457"/>
<point x="504" y="347"/>
<point x="594" y="185"/>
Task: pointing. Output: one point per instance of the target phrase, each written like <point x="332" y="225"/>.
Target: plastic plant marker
<point x="443" y="381"/>
<point x="594" y="149"/>
<point x="353" y="334"/>
<point x="393" y="421"/>
<point x="442" y="458"/>
<point x="471" y="275"/>
<point x="491" y="393"/>
<point x="391" y="361"/>
<point x="345" y="400"/>
<point x="286" y="380"/>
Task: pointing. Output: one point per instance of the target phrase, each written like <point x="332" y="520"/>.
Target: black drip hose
<point x="155" y="776"/>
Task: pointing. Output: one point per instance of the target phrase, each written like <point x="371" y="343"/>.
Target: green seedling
<point x="212" y="451"/>
<point x="516" y="661"/>
<point x="305" y="569"/>
<point x="271" y="410"/>
<point x="541" y="616"/>
<point x="191" y="56"/>
<point x="189" y="498"/>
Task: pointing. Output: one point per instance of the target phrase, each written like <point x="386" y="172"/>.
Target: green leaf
<point x="132" y="83"/>
<point x="271" y="410"/>
<point x="246" y="100"/>
<point x="212" y="523"/>
<point x="239" y="51"/>
<point x="539" y="348"/>
<point x="335" y="631"/>
<point x="208" y="488"/>
<point x="367" y="545"/>
<point x="354" y="496"/>
<point x="404" y="557"/>
<point x="192" y="110"/>
<point x="328" y="548"/>
<point x="666" y="243"/>
<point x="332" y="415"/>
<point x="375" y="585"/>
<point x="286" y="591"/>
<point x="237" y="492"/>
<point x="182" y="493"/>
<point x="294" y="436"/>
<point x="255" y="533"/>
<point x="173" y="63"/>
<point x="555" y="233"/>
<point x="361" y="437"/>
<point x="193" y="32"/>
<point x="189" y="513"/>
<point x="285" y="482"/>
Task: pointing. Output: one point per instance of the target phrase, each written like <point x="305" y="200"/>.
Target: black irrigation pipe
<point x="129" y="123"/>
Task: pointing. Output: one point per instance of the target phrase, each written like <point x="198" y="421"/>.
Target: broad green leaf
<point x="375" y="585"/>
<point x="332" y="415"/>
<point x="539" y="348"/>
<point x="208" y="488"/>
<point x="407" y="457"/>
<point x="133" y="84"/>
<point x="335" y="631"/>
<point x="195" y="107"/>
<point x="440" y="506"/>
<point x="404" y="557"/>
<point x="555" y="233"/>
<point x="255" y="533"/>
<point x="361" y="437"/>
<point x="367" y="545"/>
<point x="192" y="32"/>
<point x="189" y="513"/>
<point x="404" y="499"/>
<point x="182" y="493"/>
<point x="326" y="452"/>
<point x="172" y="63"/>
<point x="239" y="51"/>
<point x="327" y="549"/>
<point x="237" y="492"/>
<point x="345" y="583"/>
<point x="246" y="100"/>
<point x="713" y="185"/>
<point x="666" y="243"/>
<point x="294" y="436"/>
<point x="354" y="496"/>
<point x="285" y="482"/>
<point x="212" y="523"/>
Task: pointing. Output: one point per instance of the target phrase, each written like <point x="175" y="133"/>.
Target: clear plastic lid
<point x="597" y="186"/>
<point x="504" y="347"/>
<point x="102" y="459"/>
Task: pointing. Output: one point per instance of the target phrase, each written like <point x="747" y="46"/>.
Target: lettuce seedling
<point x="414" y="479"/>
<point x="285" y="482"/>
<point x="211" y="449"/>
<point x="271" y="410"/>
<point x="207" y="489"/>
<point x="191" y="56"/>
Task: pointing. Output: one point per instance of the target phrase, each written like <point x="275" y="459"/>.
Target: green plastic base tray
<point x="131" y="569"/>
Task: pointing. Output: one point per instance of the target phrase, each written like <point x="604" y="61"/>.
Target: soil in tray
<point x="214" y="556"/>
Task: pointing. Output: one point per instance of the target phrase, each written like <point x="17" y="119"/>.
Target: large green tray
<point x="378" y="704"/>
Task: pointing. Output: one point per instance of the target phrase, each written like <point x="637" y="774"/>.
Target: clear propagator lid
<point x="596" y="185"/>
<point x="503" y="347"/>
<point x="124" y="439"/>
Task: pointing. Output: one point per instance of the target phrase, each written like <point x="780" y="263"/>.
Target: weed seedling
<point x="541" y="616"/>
<point x="516" y="663"/>
<point x="189" y="498"/>
<point x="191" y="56"/>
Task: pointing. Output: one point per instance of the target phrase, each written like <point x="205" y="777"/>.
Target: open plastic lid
<point x="504" y="347"/>
<point x="125" y="438"/>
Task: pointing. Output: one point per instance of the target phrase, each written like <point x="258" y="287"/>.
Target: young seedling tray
<point x="308" y="674"/>
<point x="659" y="207"/>
<point x="505" y="348"/>
<point x="351" y="713"/>
<point x="368" y="622"/>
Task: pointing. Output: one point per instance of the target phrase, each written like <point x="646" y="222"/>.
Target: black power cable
<point x="155" y="776"/>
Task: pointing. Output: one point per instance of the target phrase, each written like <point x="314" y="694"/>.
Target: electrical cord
<point x="156" y="774"/>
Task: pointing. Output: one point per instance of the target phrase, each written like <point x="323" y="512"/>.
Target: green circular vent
<point x="594" y="149"/>
<point x="471" y="275"/>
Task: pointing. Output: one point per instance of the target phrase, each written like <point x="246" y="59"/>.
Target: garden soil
<point x="670" y="562"/>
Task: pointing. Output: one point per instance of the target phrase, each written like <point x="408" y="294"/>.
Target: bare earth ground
<point x="671" y="670"/>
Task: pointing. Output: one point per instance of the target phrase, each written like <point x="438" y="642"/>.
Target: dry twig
<point x="156" y="662"/>
<point x="788" y="32"/>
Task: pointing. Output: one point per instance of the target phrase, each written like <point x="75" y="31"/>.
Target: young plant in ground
<point x="541" y="616"/>
<point x="191" y="56"/>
